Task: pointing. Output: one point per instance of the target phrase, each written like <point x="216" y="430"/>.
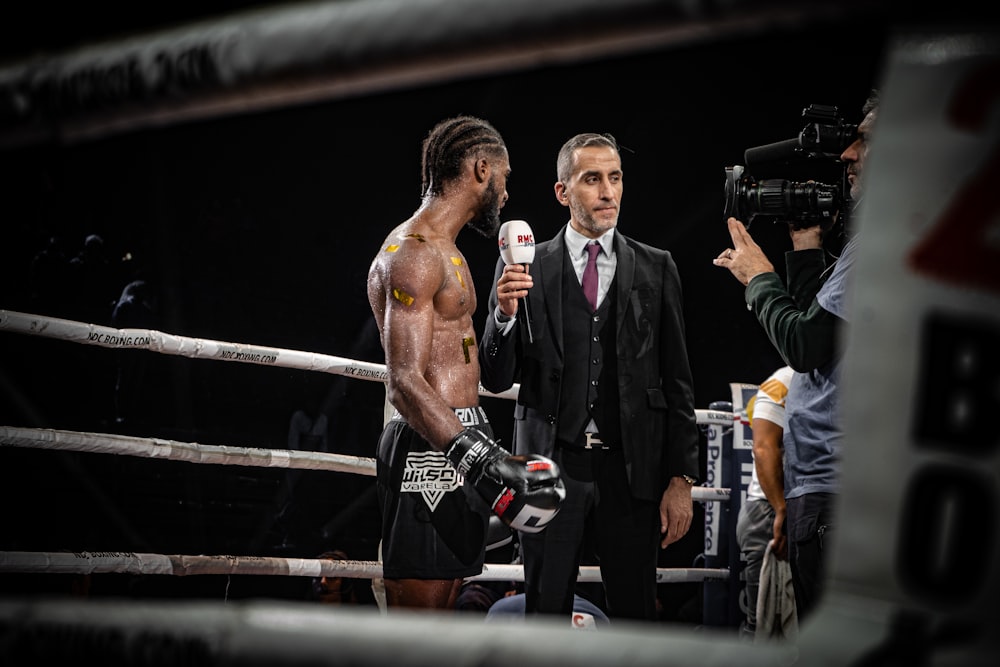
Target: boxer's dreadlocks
<point x="447" y="146"/>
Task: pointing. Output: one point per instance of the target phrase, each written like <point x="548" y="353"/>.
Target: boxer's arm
<point x="411" y="278"/>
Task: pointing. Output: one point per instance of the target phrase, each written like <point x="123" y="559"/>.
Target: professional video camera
<point x="802" y="204"/>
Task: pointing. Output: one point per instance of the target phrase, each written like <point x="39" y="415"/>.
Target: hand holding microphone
<point x="517" y="246"/>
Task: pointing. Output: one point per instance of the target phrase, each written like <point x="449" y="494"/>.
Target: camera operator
<point x="804" y="322"/>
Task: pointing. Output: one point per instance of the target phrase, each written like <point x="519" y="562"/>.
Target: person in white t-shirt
<point x="762" y="514"/>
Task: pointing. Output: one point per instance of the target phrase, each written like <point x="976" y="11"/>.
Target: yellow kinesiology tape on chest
<point x="457" y="261"/>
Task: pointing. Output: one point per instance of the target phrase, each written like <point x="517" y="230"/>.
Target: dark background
<point x="259" y="228"/>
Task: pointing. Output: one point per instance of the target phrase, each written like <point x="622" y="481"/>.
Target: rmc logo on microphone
<point x="520" y="241"/>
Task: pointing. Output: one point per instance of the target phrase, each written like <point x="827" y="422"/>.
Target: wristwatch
<point x="689" y="479"/>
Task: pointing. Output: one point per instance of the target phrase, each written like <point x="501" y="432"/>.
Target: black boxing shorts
<point x="434" y="525"/>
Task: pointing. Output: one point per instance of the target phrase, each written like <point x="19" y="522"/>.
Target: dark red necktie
<point x="590" y="275"/>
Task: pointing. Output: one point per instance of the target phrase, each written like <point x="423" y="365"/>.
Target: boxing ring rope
<point x="263" y="633"/>
<point x="120" y="562"/>
<point x="196" y="348"/>
<point x="191" y="452"/>
<point x="157" y="448"/>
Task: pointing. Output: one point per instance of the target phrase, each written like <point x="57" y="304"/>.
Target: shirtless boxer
<point x="439" y="472"/>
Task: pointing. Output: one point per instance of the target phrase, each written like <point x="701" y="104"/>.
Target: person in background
<point x="136" y="308"/>
<point x="339" y="589"/>
<point x="762" y="514"/>
<point x="511" y="609"/>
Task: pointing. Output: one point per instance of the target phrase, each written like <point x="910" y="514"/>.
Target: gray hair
<point x="564" y="163"/>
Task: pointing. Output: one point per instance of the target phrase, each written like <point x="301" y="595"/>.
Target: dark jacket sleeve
<point x="656" y="391"/>
<point x="683" y="438"/>
<point x="803" y="332"/>
<point x="498" y="365"/>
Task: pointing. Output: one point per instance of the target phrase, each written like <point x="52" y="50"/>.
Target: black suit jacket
<point x="659" y="430"/>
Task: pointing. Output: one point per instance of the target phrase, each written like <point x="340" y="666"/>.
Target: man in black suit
<point x="605" y="390"/>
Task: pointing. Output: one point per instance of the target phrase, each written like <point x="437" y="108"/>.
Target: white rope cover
<point x="265" y="633"/>
<point x="102" y="562"/>
<point x="192" y="452"/>
<point x="196" y="348"/>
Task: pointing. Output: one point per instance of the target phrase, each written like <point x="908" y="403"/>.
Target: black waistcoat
<point x="589" y="384"/>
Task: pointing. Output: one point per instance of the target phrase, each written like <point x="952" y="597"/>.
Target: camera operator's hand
<point x="745" y="259"/>
<point x="807" y="238"/>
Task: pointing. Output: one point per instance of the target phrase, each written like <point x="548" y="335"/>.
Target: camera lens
<point x="806" y="203"/>
<point x="778" y="197"/>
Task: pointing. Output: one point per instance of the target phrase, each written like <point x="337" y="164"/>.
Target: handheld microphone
<point x="517" y="246"/>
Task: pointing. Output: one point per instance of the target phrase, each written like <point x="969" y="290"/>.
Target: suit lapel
<point x="624" y="277"/>
<point x="550" y="267"/>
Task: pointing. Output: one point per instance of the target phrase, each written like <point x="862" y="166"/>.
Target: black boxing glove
<point x="524" y="491"/>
